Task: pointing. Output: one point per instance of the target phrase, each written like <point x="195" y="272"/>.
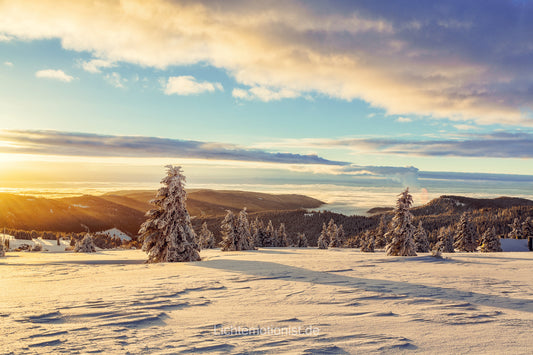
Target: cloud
<point x="116" y="80"/>
<point x="452" y="59"/>
<point x="187" y="85"/>
<point x="8" y="64"/>
<point x="54" y="74"/>
<point x="464" y="127"/>
<point x="96" y="65"/>
<point x="4" y="38"/>
<point x="84" y="144"/>
<point x="264" y="94"/>
<point x="493" y="145"/>
<point x="404" y="120"/>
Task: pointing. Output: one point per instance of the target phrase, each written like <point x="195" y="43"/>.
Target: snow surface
<point x="348" y="301"/>
<point x="116" y="233"/>
<point x="48" y="245"/>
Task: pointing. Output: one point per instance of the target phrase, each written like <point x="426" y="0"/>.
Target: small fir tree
<point x="244" y="235"/>
<point x="466" y="235"/>
<point x="86" y="245"/>
<point x="282" y="236"/>
<point x="379" y="234"/>
<point x="516" y="229"/>
<point x="2" y="249"/>
<point x="527" y="228"/>
<point x="333" y="234"/>
<point x="402" y="229"/>
<point x="301" y="240"/>
<point x="341" y="236"/>
<point x="323" y="240"/>
<point x="368" y="242"/>
<point x="490" y="242"/>
<point x="167" y="233"/>
<point x="207" y="238"/>
<point x="229" y="233"/>
<point x="270" y="236"/>
<point x="445" y="237"/>
<point x="421" y="239"/>
<point x="258" y="232"/>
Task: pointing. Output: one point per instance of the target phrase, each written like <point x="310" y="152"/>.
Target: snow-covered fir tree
<point x="368" y="242"/>
<point x="333" y="234"/>
<point x="516" y="229"/>
<point x="323" y="239"/>
<point x="527" y="228"/>
<point x="2" y="248"/>
<point x="445" y="240"/>
<point x="402" y="229"/>
<point x="229" y="231"/>
<point x="85" y="245"/>
<point x="207" y="238"/>
<point x="258" y="232"/>
<point x="421" y="239"/>
<point x="282" y="236"/>
<point x="490" y="242"/>
<point x="167" y="233"/>
<point x="301" y="241"/>
<point x="271" y="237"/>
<point x="379" y="234"/>
<point x="466" y="234"/>
<point x="341" y="236"/>
<point x="244" y="235"/>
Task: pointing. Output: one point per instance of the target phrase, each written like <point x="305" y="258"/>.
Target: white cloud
<point x="56" y="74"/>
<point x="404" y="120"/>
<point x="187" y="85"/>
<point x="465" y="127"/>
<point x="95" y="65"/>
<point x="264" y="94"/>
<point x="8" y="64"/>
<point x="360" y="50"/>
<point x="116" y="80"/>
<point x="4" y="38"/>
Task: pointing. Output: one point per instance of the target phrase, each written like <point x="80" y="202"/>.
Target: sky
<point x="249" y="91"/>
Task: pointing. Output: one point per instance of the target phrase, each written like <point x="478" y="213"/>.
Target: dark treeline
<point x="442" y="212"/>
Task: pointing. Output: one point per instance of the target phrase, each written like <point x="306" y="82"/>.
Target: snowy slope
<point x="514" y="244"/>
<point x="116" y="233"/>
<point x="348" y="301"/>
<point x="48" y="245"/>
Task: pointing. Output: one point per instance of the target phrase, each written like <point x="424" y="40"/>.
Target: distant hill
<point x="125" y="209"/>
<point x="450" y="204"/>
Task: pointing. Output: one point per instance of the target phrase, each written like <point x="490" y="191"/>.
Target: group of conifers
<point x="168" y="234"/>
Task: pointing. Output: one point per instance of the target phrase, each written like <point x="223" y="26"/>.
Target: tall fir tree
<point x="282" y="236"/>
<point x="323" y="240"/>
<point x="333" y="234"/>
<point x="229" y="232"/>
<point x="167" y="233"/>
<point x="466" y="235"/>
<point x="490" y="242"/>
<point x="421" y="239"/>
<point x="207" y="238"/>
<point x="402" y="228"/>
<point x="516" y="229"/>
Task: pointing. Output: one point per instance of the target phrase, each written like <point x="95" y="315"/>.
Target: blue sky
<point x="337" y="89"/>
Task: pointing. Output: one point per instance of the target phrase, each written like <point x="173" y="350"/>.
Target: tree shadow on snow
<point x="270" y="270"/>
